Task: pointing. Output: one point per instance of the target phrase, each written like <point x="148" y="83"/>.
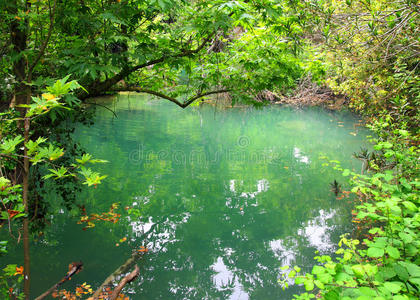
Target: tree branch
<point x="76" y="267"/>
<point x="47" y="39"/>
<point x="97" y="88"/>
<point x="181" y="54"/>
<point x="127" y="279"/>
<point x="122" y="269"/>
<point x="172" y="99"/>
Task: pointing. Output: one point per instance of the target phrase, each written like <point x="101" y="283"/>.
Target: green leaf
<point x="413" y="269"/>
<point x="318" y="270"/>
<point x="319" y="284"/>
<point x="415" y="281"/>
<point x="387" y="272"/>
<point x="346" y="172"/>
<point x="410" y="206"/>
<point x="407" y="238"/>
<point x="366" y="291"/>
<point x="375" y="252"/>
<point x="358" y="270"/>
<point x="309" y="285"/>
<point x="393" y="287"/>
<point x="393" y="252"/>
<point x="347" y="256"/>
<point x="9" y="145"/>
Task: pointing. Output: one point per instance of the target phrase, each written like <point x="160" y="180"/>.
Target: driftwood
<point x="121" y="270"/>
<point x="75" y="268"/>
<point x="127" y="279"/>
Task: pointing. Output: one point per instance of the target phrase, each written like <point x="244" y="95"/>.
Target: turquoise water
<point x="222" y="198"/>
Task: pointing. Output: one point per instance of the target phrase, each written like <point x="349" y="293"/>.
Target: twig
<point x="113" y="112"/>
<point x="47" y="39"/>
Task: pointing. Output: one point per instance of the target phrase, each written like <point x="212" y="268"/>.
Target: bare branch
<point x="106" y="107"/>
<point x="172" y="99"/>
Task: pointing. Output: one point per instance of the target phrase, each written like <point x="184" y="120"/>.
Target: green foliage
<point x="181" y="48"/>
<point x="386" y="264"/>
<point x="10" y="197"/>
<point x="10" y="277"/>
<point x="370" y="49"/>
<point x="8" y="145"/>
<point x="39" y="151"/>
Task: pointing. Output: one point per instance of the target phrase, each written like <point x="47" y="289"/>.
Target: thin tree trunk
<point x="26" y="254"/>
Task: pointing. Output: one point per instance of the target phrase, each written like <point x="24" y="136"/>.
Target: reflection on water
<point x="223" y="198"/>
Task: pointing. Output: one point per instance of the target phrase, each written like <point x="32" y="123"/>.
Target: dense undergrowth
<point x="382" y="262"/>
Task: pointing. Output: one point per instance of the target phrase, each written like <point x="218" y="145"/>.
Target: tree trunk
<point x="19" y="37"/>
<point x="22" y="95"/>
<point x="26" y="256"/>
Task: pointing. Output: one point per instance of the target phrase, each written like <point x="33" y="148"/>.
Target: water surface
<point x="222" y="198"/>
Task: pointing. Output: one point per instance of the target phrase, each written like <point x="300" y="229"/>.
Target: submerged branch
<point x="127" y="279"/>
<point x="75" y="268"/>
<point x="121" y="270"/>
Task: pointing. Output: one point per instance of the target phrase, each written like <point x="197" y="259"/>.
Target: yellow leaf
<point x="48" y="96"/>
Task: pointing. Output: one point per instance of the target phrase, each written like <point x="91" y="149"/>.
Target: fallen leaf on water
<point x="143" y="249"/>
<point x="353" y="133"/>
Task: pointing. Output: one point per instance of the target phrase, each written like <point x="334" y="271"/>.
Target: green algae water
<point x="222" y="198"/>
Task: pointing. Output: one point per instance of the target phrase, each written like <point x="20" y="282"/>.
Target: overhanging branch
<point x="172" y="99"/>
<point x="96" y="89"/>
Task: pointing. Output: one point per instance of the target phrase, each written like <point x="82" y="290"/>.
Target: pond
<point x="221" y="197"/>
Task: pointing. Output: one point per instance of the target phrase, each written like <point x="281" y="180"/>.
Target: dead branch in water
<point x="127" y="279"/>
<point x="75" y="268"/>
<point x="124" y="268"/>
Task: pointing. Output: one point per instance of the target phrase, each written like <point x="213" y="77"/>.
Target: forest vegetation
<point x="56" y="55"/>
